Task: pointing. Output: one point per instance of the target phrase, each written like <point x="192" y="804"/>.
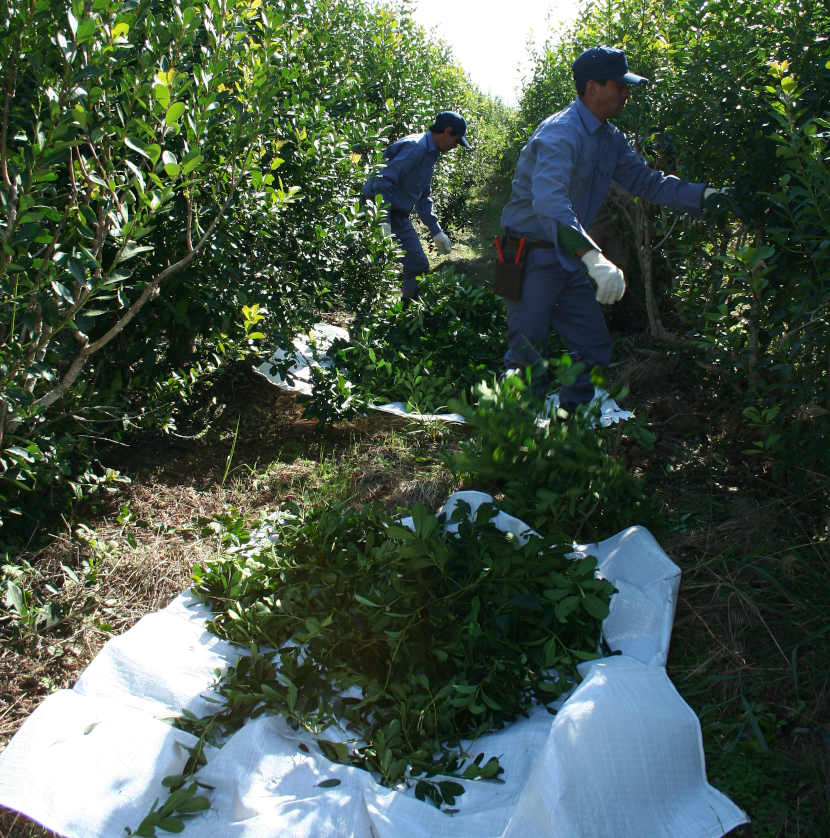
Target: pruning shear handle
<point x="521" y="247"/>
<point x="497" y="242"/>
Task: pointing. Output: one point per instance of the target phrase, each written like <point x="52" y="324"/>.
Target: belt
<point x="511" y="239"/>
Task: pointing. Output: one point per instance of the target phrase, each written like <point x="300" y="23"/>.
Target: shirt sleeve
<point x="634" y="174"/>
<point x="424" y="208"/>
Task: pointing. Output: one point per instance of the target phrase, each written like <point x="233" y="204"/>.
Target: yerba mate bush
<point x="437" y="349"/>
<point x="160" y="169"/>
<point x="558" y="476"/>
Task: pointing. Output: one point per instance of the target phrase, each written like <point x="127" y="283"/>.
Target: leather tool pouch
<point x="509" y="268"/>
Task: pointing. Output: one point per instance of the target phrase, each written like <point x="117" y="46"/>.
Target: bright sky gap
<point x="490" y="40"/>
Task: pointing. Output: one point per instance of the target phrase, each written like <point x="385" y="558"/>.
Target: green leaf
<point x="335" y="751"/>
<point x="363" y="601"/>
<point x="76" y="268"/>
<point x="22" y="453"/>
<point x="139" y="176"/>
<point x="596" y="607"/>
<point x="135" y="145"/>
<point x="14" y="599"/>
<point x="491" y="768"/>
<point x="171" y="166"/>
<point x="329" y="784"/>
<point x="86" y="29"/>
<point x="193" y="805"/>
<point x="579" y="654"/>
<point x="132" y="250"/>
<point x="171" y="824"/>
<point x="173" y="781"/>
<point x="162" y="94"/>
<point x="62" y="291"/>
<point x="190" y="162"/>
<point x="450" y="790"/>
<point x="400" y="532"/>
<point x="174" y="112"/>
<point x="465" y="689"/>
<point x="564" y="608"/>
<point x="491" y="703"/>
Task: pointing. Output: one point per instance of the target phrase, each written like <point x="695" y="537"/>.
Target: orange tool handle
<point x="522" y="241"/>
<point x="498" y="248"/>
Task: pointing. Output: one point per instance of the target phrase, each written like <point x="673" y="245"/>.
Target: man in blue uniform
<point x="404" y="182"/>
<point x="562" y="176"/>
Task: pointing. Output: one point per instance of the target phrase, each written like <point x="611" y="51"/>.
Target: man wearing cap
<point x="404" y="182"/>
<point x="562" y="176"/>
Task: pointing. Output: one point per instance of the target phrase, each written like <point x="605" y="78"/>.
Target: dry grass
<point x="123" y="570"/>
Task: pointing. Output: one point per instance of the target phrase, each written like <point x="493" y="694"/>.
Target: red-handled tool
<point x="498" y="248"/>
<point x="522" y="241"/>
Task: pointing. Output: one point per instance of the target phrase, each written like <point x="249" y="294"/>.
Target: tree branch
<point x="8" y="93"/>
<point x="150" y="291"/>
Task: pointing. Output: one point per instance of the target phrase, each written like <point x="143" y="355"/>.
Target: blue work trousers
<point x="562" y="299"/>
<point x="414" y="262"/>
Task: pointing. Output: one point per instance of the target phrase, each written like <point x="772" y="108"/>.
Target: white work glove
<point x="719" y="200"/>
<point x="442" y="243"/>
<point x="608" y="277"/>
<point x="386" y="228"/>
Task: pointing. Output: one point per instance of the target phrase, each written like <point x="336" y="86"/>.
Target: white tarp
<point x="622" y="757"/>
<point x="310" y="350"/>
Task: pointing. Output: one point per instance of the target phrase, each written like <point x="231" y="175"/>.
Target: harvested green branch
<point x="412" y="641"/>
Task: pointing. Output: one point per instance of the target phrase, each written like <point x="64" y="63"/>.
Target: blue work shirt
<point x="565" y="170"/>
<point x="405" y="180"/>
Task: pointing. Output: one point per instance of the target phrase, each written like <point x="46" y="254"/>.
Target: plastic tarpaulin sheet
<point x="622" y="757"/>
<point x="310" y="349"/>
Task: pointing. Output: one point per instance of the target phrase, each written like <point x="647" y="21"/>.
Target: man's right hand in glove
<point x="442" y="243"/>
<point x="386" y="228"/>
<point x="608" y="277"/>
<point x="718" y="201"/>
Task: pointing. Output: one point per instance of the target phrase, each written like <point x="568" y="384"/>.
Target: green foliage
<point x="171" y="815"/>
<point x="162" y="170"/>
<point x="332" y="397"/>
<point x="23" y="602"/>
<point x="434" y="350"/>
<point x="759" y="779"/>
<point x="122" y="151"/>
<point x="559" y="476"/>
<point x="411" y="640"/>
<point x="763" y="726"/>
<point x="767" y="329"/>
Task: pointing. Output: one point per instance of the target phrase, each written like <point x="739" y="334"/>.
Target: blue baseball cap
<point x="604" y="64"/>
<point x="452" y="120"/>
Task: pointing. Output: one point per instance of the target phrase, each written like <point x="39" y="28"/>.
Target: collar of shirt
<point x="430" y="143"/>
<point x="589" y="119"/>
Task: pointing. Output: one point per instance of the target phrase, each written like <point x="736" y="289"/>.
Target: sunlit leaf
<point x="174" y="112"/>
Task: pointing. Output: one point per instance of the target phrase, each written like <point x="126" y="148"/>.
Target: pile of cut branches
<point x="410" y="641"/>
